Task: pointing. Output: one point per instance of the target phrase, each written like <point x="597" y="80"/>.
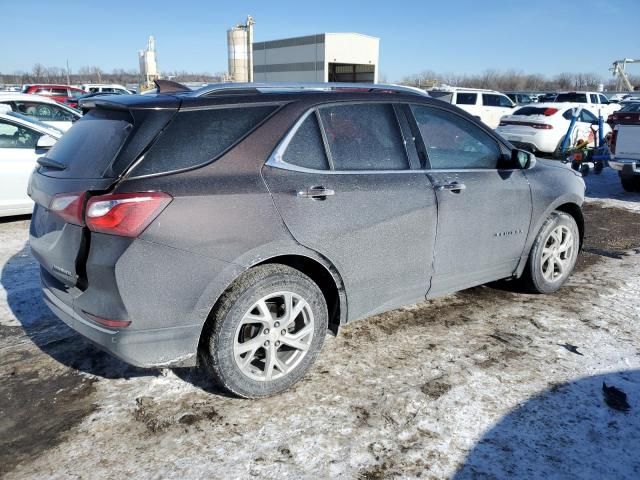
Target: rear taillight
<point x="68" y="206"/>
<point x="539" y="126"/>
<point x="550" y="111"/>
<point x="107" y="322"/>
<point x="612" y="142"/>
<point x="124" y="214"/>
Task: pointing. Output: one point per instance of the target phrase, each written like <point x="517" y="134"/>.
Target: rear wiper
<point x="47" y="162"/>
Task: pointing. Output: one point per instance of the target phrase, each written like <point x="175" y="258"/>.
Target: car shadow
<point x="20" y="279"/>
<point x="606" y="185"/>
<point x="567" y="431"/>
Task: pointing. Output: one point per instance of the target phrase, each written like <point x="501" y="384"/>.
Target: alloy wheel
<point x="273" y="336"/>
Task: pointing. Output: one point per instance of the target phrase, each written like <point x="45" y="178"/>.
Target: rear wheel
<point x="553" y="255"/>
<point x="630" y="184"/>
<point x="266" y="332"/>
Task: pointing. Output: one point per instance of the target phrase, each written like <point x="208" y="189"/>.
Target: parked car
<point x="625" y="150"/>
<point x="59" y="93"/>
<point x="486" y="105"/>
<point x="542" y="127"/>
<point x="596" y="102"/>
<point x="236" y="226"/>
<point x="628" y="114"/>
<point x="22" y="141"/>
<point x="520" y="98"/>
<point x="105" y="88"/>
<point x="41" y="108"/>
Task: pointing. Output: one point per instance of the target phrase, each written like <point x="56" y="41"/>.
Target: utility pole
<point x="68" y="73"/>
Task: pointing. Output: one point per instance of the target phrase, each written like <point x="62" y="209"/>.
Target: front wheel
<point x="266" y="332"/>
<point x="553" y="255"/>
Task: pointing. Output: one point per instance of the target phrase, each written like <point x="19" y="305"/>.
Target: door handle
<point x="319" y="193"/>
<point x="454" y="187"/>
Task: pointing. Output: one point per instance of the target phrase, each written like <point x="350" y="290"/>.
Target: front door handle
<point x="454" y="187"/>
<point x="319" y="193"/>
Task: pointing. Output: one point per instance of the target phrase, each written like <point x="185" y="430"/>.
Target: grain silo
<point x="240" y="44"/>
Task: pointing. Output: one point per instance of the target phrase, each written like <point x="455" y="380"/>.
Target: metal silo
<point x="240" y="45"/>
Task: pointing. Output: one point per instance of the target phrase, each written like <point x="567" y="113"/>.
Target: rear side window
<point x="466" y="98"/>
<point x="306" y="148"/>
<point x="452" y="142"/>
<point x="90" y="146"/>
<point x="198" y="136"/>
<point x="364" y="137"/>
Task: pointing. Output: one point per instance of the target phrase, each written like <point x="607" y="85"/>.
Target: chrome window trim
<point x="275" y="159"/>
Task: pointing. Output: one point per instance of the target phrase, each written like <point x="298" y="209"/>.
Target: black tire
<point x="630" y="184"/>
<point x="217" y="346"/>
<point x="533" y="279"/>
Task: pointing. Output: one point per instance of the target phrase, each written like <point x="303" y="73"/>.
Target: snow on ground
<point x="480" y="384"/>
<point x="606" y="188"/>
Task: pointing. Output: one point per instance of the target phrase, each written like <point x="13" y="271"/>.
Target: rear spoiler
<point x="168" y="86"/>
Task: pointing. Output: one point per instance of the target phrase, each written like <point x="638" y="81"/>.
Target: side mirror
<point x="521" y="159"/>
<point x="45" y="142"/>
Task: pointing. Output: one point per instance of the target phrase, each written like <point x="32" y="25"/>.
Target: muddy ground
<point x="485" y="383"/>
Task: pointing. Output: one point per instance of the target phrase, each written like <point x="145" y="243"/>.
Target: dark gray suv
<point x="235" y="227"/>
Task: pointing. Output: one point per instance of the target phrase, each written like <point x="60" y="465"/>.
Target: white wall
<point x="351" y="48"/>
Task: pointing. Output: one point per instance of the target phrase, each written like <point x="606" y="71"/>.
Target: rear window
<point x="572" y="97"/>
<point x="632" y="107"/>
<point x="530" y="111"/>
<point x="90" y="146"/>
<point x="197" y="137"/>
<point x="444" y="96"/>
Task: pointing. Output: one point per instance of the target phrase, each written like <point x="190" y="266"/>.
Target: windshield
<point x="43" y="126"/>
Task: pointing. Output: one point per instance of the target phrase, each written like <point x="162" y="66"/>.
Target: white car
<point x="487" y="105"/>
<point x="541" y="127"/>
<point x="594" y="101"/>
<point x="41" y="108"/>
<point x="22" y="142"/>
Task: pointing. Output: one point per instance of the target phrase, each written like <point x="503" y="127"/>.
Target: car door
<point x="18" y="157"/>
<point x="343" y="184"/>
<point x="494" y="107"/>
<point x="484" y="211"/>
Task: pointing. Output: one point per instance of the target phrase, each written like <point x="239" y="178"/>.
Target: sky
<point x="463" y="36"/>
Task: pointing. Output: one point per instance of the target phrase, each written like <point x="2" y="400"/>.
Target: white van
<point x="487" y="105"/>
<point x="105" y="88"/>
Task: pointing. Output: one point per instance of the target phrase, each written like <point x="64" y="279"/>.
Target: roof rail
<point x="284" y="87"/>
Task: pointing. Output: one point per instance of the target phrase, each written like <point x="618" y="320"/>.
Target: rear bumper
<point x="163" y="347"/>
<point x="626" y="167"/>
<point x="530" y="141"/>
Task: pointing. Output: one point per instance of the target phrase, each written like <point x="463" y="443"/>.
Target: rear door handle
<point x="319" y="193"/>
<point x="454" y="187"/>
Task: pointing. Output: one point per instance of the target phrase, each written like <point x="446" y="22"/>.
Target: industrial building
<point x="148" y="63"/>
<point x="325" y="57"/>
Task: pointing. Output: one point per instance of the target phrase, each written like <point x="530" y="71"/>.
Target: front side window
<point x="17" y="136"/>
<point x="604" y="100"/>
<point x="306" y="148"/>
<point x="364" y="137"/>
<point x="492" y="100"/>
<point x="466" y="98"/>
<point x="453" y="142"/>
